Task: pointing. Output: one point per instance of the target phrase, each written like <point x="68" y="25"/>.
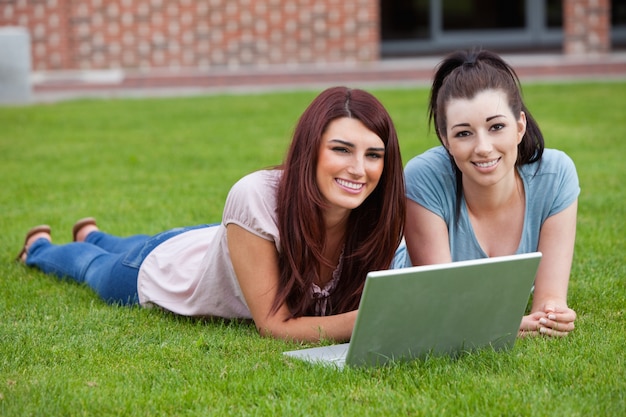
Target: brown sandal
<point x="42" y="228"/>
<point x="87" y="221"/>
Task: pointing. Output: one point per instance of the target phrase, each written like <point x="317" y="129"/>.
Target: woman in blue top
<point x="492" y="189"/>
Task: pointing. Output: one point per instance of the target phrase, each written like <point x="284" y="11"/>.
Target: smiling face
<point x="350" y="164"/>
<point x="482" y="135"/>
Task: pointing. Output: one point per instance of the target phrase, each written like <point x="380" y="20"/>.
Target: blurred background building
<point x="207" y="34"/>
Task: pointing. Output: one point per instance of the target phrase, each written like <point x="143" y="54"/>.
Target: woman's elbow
<point x="275" y="329"/>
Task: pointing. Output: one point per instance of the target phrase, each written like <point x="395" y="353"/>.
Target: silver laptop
<point x="443" y="309"/>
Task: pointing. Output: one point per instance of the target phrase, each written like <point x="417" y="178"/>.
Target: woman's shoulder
<point x="258" y="184"/>
<point x="433" y="159"/>
<point x="252" y="203"/>
<point x="436" y="153"/>
<point x="430" y="180"/>
<point x="553" y="161"/>
<point x="261" y="178"/>
<point x="556" y="156"/>
<point x="552" y="183"/>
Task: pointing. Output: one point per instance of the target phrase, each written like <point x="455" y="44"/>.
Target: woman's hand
<point x="554" y="320"/>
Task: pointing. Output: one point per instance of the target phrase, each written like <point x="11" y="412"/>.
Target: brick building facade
<point x="586" y="26"/>
<point x="207" y="34"/>
<point x="138" y="34"/>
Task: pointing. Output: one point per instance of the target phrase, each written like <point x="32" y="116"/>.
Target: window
<point x="618" y="13"/>
<point x="483" y="14"/>
<point x="405" y="19"/>
<point x="554" y="14"/>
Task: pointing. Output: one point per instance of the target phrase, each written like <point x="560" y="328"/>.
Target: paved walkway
<point x="55" y="86"/>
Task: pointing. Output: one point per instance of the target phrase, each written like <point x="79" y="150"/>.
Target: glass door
<point x="421" y="26"/>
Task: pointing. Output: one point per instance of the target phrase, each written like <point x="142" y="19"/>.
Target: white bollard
<point x="15" y="65"/>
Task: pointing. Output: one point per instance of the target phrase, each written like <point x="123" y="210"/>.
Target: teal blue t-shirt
<point x="550" y="185"/>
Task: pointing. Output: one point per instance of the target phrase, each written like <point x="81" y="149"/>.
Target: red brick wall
<point x="586" y="26"/>
<point x="138" y="34"/>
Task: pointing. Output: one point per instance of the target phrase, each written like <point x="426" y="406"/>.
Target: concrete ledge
<point x="50" y="86"/>
<point x="15" y="65"/>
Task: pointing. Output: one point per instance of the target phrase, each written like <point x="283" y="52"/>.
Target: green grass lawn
<point x="146" y="165"/>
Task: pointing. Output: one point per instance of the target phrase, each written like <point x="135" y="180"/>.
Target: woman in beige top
<point x="295" y="242"/>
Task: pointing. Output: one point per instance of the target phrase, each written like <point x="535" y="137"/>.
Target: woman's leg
<point x="112" y="275"/>
<point x="86" y="263"/>
<point x="115" y="244"/>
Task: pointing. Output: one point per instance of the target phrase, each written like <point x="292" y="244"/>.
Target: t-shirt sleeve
<point x="567" y="186"/>
<point x="251" y="204"/>
<point x="430" y="182"/>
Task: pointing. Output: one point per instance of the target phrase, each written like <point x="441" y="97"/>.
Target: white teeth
<point x="351" y="185"/>
<point x="486" y="164"/>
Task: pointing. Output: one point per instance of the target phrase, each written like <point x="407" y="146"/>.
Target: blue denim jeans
<point x="108" y="264"/>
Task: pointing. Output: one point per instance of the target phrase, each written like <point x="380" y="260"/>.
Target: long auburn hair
<point x="374" y="229"/>
<point x="463" y="74"/>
